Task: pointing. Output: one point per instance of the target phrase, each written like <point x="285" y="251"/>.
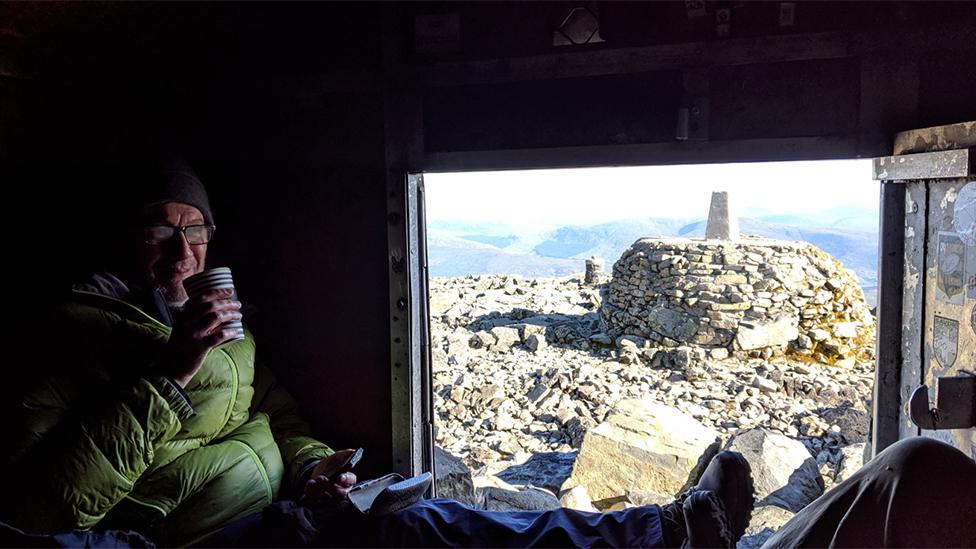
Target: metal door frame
<point x="920" y="157"/>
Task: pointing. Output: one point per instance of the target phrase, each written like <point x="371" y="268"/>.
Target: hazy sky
<point x="595" y="195"/>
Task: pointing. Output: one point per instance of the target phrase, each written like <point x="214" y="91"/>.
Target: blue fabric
<point x="447" y="523"/>
<point x="110" y="539"/>
<point x="441" y="523"/>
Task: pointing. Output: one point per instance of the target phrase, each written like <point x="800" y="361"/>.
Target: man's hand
<point x="196" y="331"/>
<point x="321" y="483"/>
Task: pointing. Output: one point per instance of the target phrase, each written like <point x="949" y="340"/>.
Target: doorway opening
<point x="583" y="326"/>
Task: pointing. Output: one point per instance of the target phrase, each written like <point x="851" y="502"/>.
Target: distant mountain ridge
<point x="607" y="240"/>
<point x="457" y="248"/>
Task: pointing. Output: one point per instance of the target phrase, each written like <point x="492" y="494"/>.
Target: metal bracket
<point x="956" y="406"/>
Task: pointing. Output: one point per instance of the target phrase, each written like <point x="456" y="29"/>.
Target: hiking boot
<point x="400" y="495"/>
<point x="707" y="521"/>
<point x="729" y="477"/>
<point x="716" y="511"/>
<point x="673" y="529"/>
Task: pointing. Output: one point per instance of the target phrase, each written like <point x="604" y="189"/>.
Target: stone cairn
<point x="749" y="297"/>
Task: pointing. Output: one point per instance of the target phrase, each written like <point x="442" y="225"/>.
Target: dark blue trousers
<point x="447" y="523"/>
<point x="442" y="523"/>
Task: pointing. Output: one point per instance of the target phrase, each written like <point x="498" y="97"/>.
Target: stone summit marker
<point x="722" y="225"/>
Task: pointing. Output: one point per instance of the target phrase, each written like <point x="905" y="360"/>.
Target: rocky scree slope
<point x="523" y="371"/>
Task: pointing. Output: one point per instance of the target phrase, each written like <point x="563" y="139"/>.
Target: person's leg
<point x="918" y="492"/>
<point x="719" y="507"/>
<point x="288" y="524"/>
<point x="447" y="523"/>
<point x="440" y="523"/>
<point x="14" y="537"/>
<point x="108" y="539"/>
<point x="243" y="532"/>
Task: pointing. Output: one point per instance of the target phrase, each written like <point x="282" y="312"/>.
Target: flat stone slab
<point x="645" y="450"/>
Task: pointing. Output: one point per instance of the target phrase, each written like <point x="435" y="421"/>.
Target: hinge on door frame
<point x="955" y="406"/>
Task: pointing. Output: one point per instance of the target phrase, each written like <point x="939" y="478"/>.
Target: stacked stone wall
<point x="753" y="297"/>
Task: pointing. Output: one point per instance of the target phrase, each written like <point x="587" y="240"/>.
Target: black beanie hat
<point x="175" y="181"/>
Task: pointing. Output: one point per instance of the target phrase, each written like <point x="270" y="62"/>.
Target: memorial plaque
<point x="950" y="284"/>
<point x="945" y="341"/>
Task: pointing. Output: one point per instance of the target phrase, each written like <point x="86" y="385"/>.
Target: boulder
<point x="681" y="357"/>
<point x="538" y="392"/>
<point x="505" y="338"/>
<point x="852" y="459"/>
<point x="577" y="498"/>
<point x="774" y="333"/>
<point x="854" y="425"/>
<point x="765" y="385"/>
<point x="453" y="478"/>
<point x="818" y="334"/>
<point x="766" y="520"/>
<point x="614" y="504"/>
<point x="576" y="428"/>
<point x="629" y="341"/>
<point x="520" y="498"/>
<point x="481" y="340"/>
<point x="485" y="396"/>
<point x="644" y="450"/>
<point x="535" y="342"/>
<point x="503" y="421"/>
<point x="784" y="472"/>
<point x="547" y="470"/>
<point x="846" y="330"/>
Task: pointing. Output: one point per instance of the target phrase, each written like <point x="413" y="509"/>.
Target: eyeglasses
<point x="195" y="234"/>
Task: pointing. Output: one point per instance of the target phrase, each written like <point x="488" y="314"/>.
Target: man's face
<point x="166" y="265"/>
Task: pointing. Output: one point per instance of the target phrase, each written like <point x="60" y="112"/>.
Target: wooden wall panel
<point x="619" y="109"/>
<point x="796" y="99"/>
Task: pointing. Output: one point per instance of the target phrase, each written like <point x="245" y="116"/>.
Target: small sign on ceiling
<point x="787" y="14"/>
<point x="437" y="33"/>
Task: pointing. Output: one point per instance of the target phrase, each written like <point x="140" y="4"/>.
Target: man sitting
<point x="134" y="418"/>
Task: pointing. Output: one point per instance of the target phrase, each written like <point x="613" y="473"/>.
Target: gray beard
<point x="169" y="297"/>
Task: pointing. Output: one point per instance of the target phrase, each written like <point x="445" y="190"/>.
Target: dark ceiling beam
<point x="299" y="86"/>
<point x="739" y="51"/>
<point x="676" y="152"/>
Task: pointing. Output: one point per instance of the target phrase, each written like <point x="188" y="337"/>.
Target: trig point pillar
<point x="722" y="225"/>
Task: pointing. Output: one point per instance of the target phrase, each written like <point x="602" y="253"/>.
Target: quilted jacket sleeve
<point x="291" y="432"/>
<point x="71" y="464"/>
<point x="77" y="434"/>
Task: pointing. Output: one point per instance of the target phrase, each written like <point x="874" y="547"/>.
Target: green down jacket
<point x="97" y="439"/>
